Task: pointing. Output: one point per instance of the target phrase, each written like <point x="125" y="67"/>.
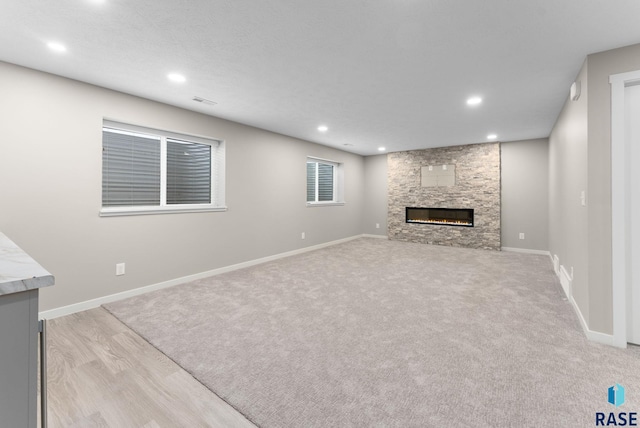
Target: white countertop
<point x="18" y="271"/>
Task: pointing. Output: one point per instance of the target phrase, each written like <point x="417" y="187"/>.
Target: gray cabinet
<point x="18" y="359"/>
<point x="21" y="277"/>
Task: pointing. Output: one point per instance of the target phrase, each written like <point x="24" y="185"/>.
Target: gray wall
<point x="525" y="194"/>
<point x="375" y="195"/>
<point x="601" y="66"/>
<point x="580" y="159"/>
<point x="50" y="191"/>
<point x="568" y="226"/>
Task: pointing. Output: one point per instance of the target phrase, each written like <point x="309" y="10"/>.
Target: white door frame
<point x="620" y="170"/>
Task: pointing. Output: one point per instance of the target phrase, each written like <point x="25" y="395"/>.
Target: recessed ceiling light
<point x="381" y="149"/>
<point x="474" y="101"/>
<point x="492" y="137"/>
<point x="175" y="77"/>
<point x="58" y="47"/>
<point x="323" y="128"/>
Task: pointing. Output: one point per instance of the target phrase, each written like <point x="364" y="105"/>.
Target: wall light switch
<point x="521" y="235"/>
<point x="583" y="198"/>
<point x="120" y="269"/>
<point x="302" y="236"/>
<point x="377" y="225"/>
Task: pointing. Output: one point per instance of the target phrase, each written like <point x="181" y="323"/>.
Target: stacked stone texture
<point x="477" y="186"/>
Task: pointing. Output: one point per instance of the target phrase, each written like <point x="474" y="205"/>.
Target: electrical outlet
<point x="302" y="236"/>
<point x="120" y="269"/>
<point x="521" y="235"/>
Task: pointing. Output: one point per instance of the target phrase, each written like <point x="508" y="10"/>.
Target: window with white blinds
<point x="323" y="184"/>
<point x="188" y="172"/>
<point x="150" y="171"/>
<point x="130" y="169"/>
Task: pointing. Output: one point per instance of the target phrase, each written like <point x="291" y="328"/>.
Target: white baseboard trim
<point x="594" y="336"/>
<point x="367" y="235"/>
<point x="556" y="263"/>
<point x="566" y="281"/>
<point x="567" y="285"/>
<point x="526" y="251"/>
<point x="94" y="303"/>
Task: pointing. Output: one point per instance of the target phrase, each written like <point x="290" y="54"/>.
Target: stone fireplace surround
<point x="477" y="186"/>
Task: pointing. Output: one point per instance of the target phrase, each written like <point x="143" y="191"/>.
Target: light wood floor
<point x="102" y="374"/>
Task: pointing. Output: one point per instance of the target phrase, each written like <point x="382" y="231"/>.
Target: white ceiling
<point x="393" y="73"/>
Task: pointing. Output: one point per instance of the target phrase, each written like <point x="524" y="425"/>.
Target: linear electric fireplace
<point x="445" y="216"/>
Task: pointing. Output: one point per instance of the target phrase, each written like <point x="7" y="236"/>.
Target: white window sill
<point x="325" y="204"/>
<point x="124" y="211"/>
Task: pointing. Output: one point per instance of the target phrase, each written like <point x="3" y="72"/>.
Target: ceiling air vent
<point x="204" y="101"/>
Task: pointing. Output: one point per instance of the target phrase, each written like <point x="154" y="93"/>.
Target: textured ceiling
<point x="393" y="73"/>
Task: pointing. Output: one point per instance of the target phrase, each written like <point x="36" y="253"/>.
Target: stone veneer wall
<point x="477" y="186"/>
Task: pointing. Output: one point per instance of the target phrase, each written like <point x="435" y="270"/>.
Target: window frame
<point x="217" y="162"/>
<point x="338" y="178"/>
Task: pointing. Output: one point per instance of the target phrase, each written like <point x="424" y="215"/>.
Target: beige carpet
<point x="376" y="333"/>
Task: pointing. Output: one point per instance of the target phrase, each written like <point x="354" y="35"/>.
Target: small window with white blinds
<point x="188" y="172"/>
<point x="323" y="182"/>
<point x="130" y="169"/>
<point x="149" y="171"/>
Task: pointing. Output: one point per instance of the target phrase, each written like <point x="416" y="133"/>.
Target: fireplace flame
<point x="441" y="221"/>
<point x="445" y="216"/>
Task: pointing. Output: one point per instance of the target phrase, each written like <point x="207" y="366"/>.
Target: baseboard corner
<point x="593" y="336"/>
